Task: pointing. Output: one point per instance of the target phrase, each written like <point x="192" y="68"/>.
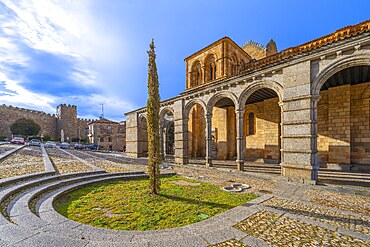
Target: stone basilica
<point x="303" y="108"/>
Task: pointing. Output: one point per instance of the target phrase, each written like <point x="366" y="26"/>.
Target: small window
<point x="101" y="139"/>
<point x="251" y="121"/>
<point x="109" y="139"/>
<point x="101" y="127"/>
<point x="109" y="127"/>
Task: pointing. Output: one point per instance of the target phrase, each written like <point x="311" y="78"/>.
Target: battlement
<point x="25" y="110"/>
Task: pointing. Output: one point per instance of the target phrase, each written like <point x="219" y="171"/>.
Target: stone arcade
<point x="304" y="107"/>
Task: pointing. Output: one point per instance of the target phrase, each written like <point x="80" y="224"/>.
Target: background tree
<point x="25" y="127"/>
<point x="152" y="109"/>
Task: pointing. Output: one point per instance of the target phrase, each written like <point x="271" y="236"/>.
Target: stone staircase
<point x="27" y="215"/>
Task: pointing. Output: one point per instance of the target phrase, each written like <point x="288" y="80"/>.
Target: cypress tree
<point x="152" y="109"/>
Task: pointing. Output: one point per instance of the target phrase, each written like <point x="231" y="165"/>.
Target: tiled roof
<point x="341" y="34"/>
<point x="338" y="35"/>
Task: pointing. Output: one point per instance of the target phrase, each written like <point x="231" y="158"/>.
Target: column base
<point x="181" y="160"/>
<point x="209" y="162"/>
<point x="240" y="165"/>
<point x="305" y="174"/>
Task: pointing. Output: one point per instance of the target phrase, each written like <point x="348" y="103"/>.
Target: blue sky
<point x="90" y="52"/>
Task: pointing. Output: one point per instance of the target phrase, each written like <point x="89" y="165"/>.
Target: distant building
<point x="109" y="135"/>
<point x="64" y="125"/>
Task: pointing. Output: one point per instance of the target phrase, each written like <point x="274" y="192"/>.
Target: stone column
<point x="209" y="140"/>
<point x="180" y="132"/>
<point x="240" y="138"/>
<point x="300" y="161"/>
<point x="162" y="140"/>
<point x="281" y="104"/>
<point x="132" y="135"/>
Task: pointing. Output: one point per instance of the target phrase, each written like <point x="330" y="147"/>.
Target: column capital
<point x="240" y="110"/>
<point x="315" y="98"/>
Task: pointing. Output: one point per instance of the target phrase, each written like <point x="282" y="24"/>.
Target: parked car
<point x="50" y="144"/>
<point x="17" y="140"/>
<point x="93" y="147"/>
<point x="64" y="145"/>
<point x="34" y="142"/>
<point x="79" y="146"/>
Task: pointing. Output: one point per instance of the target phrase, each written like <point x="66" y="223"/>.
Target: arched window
<point x="196" y="74"/>
<point x="211" y="68"/>
<point x="234" y="65"/>
<point x="251" y="124"/>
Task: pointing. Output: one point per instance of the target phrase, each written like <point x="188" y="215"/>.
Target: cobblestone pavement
<point x="229" y="243"/>
<point x="6" y="147"/>
<point x="352" y="203"/>
<point x="280" y="230"/>
<point x="331" y="217"/>
<point x="65" y="163"/>
<point x="102" y="162"/>
<point x="20" y="170"/>
<point x="23" y="156"/>
<point x="285" y="214"/>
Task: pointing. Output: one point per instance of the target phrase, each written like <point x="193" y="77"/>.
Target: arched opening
<point x="224" y="130"/>
<point x="168" y="134"/>
<point x="210" y="68"/>
<point x="262" y="127"/>
<point x="234" y="65"/>
<point x="343" y="141"/>
<point x="196" y="74"/>
<point x="196" y="133"/>
<point x="143" y="137"/>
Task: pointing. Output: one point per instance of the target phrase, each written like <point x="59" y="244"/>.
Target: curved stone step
<point x="12" y="191"/>
<point x="20" y="210"/>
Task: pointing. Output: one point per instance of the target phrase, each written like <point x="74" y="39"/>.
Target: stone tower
<point x="67" y="122"/>
<point x="271" y="48"/>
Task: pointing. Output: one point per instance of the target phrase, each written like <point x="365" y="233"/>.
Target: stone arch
<point x="210" y="67"/>
<point x="164" y="111"/>
<point x="342" y="146"/>
<point x="273" y="85"/>
<point x="334" y="67"/>
<point x="143" y="135"/>
<point x="264" y="143"/>
<point x="215" y="98"/>
<point x="196" y="74"/>
<point x="190" y="105"/>
<point x="366" y="93"/>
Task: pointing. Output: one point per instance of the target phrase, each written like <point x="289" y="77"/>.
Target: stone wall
<point x="343" y="126"/>
<point x="9" y="114"/>
<point x="264" y="144"/>
<point x="51" y="124"/>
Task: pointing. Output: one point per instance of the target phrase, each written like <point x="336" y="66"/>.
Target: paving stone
<point x="46" y="240"/>
<point x="192" y="241"/>
<point x="214" y="237"/>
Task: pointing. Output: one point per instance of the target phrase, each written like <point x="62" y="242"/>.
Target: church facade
<point x="304" y="107"/>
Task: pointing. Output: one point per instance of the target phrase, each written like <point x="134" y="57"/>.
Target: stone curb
<point x="47" y="162"/>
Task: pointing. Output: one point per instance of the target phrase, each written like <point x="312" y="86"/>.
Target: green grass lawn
<point x="126" y="205"/>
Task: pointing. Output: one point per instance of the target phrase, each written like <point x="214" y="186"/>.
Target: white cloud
<point x="64" y="28"/>
<point x="24" y="98"/>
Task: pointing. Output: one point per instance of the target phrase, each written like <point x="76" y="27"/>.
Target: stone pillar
<point x="132" y="135"/>
<point x="281" y="104"/>
<point x="240" y="138"/>
<point x="181" y="133"/>
<point x="300" y="161"/>
<point x="162" y="140"/>
<point x="209" y="140"/>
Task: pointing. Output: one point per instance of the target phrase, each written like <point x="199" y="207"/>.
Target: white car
<point x="50" y="144"/>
